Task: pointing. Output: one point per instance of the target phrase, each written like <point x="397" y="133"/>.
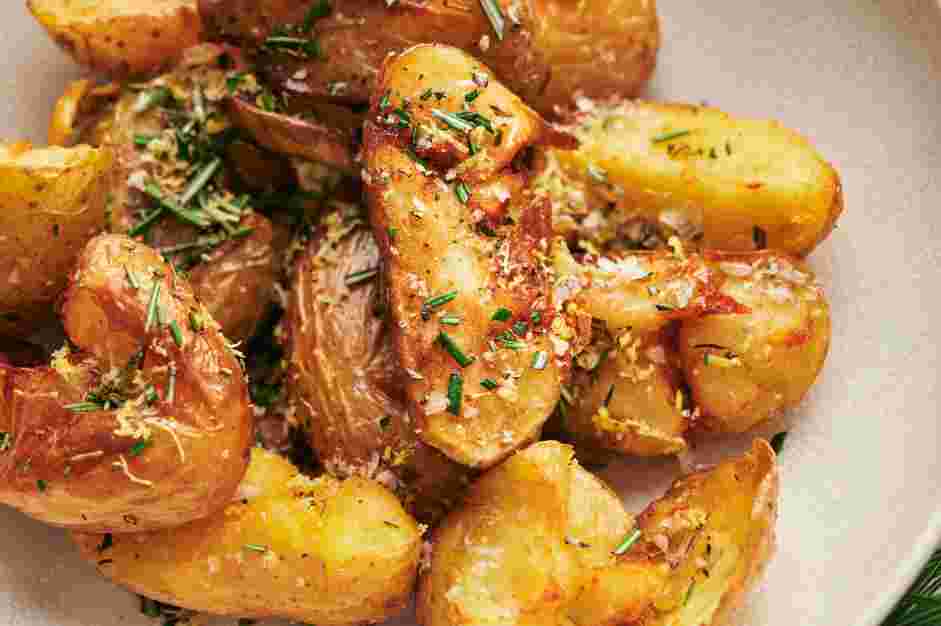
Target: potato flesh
<point x="550" y="49"/>
<point x="432" y="246"/>
<point x="161" y="459"/>
<point x="344" y="374"/>
<point x="538" y="541"/>
<point x="697" y="171"/>
<point x="121" y="37"/>
<point x="53" y="202"/>
<point x="313" y="550"/>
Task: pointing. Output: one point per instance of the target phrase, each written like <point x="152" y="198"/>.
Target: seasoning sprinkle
<point x="455" y="393"/>
<point x="629" y="541"/>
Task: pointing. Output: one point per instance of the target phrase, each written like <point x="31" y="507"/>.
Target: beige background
<point x="861" y="474"/>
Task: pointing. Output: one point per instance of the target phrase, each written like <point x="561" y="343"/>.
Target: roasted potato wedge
<point x="319" y="551"/>
<point x="121" y="37"/>
<point x="146" y="424"/>
<point x="523" y="549"/>
<point x="464" y="254"/>
<point x="745" y="368"/>
<point x="726" y="183"/>
<point x="516" y="550"/>
<point x="697" y="550"/>
<point x="546" y="51"/>
<point x="347" y="387"/>
<point x="53" y="201"/>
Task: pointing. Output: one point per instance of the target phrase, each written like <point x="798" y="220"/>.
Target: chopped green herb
<point x="362" y="276"/>
<point x="254" y="547"/>
<point x="629" y="541"/>
<point x="540" y="360"/>
<point x="5" y="441"/>
<point x="509" y="340"/>
<point x="676" y="134"/>
<point x="384" y="422"/>
<point x="200" y="180"/>
<point x="152" y="306"/>
<point x="405" y="118"/>
<point x="150" y="98"/>
<point x="265" y="394"/>
<point x="501" y="315"/>
<point x="232" y="83"/>
<point x="476" y="119"/>
<point x="689" y="592"/>
<point x="451" y="320"/>
<point x="142" y="141"/>
<point x="131" y="278"/>
<point x="520" y="328"/>
<point x="453" y="121"/>
<point x="607" y="398"/>
<point x="298" y="45"/>
<point x="489" y="384"/>
<point x="426" y="95"/>
<point x="186" y="215"/>
<point x="171" y="384"/>
<point x="392" y="232"/>
<point x="177" y="333"/>
<point x="462" y="192"/>
<point x="41" y="484"/>
<point x="197" y="322"/>
<point x="422" y="165"/>
<point x="435" y="302"/>
<point x="470" y="96"/>
<point x="83" y="407"/>
<point x="150" y="394"/>
<point x="777" y="442"/>
<point x="597" y="174"/>
<point x="455" y="393"/>
<point x="536" y="317"/>
<point x="319" y="9"/>
<point x="138" y="448"/>
<point x="454" y="350"/>
<point x="664" y="307"/>
<point x="150" y="608"/>
<point x="495" y="14"/>
<point x="106" y="542"/>
<point x="384" y="102"/>
<point x="146" y="222"/>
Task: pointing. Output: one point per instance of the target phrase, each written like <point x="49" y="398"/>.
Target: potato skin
<point x="121" y="37"/>
<point x="433" y="245"/>
<point x="53" y="201"/>
<point x="551" y="49"/>
<point x="345" y="379"/>
<point x="781" y="343"/>
<point x="163" y="458"/>
<point x="318" y="551"/>
<point x="538" y="541"/>
<point x="722" y="183"/>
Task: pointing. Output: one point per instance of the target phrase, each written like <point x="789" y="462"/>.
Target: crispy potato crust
<point x="769" y="357"/>
<point x="448" y="249"/>
<point x="53" y="202"/>
<point x="121" y="37"/>
<point x="318" y="551"/>
<point x="550" y="50"/>
<point x="541" y="541"/>
<point x="349" y="389"/>
<point x="147" y="424"/>
<point x="723" y="182"/>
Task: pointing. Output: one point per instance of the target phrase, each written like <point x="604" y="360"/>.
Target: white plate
<point x="861" y="503"/>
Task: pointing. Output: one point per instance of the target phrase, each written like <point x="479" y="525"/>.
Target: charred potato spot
<point x="121" y="37"/>
<point x="646" y="171"/>
<point x="344" y="376"/>
<point x="147" y="424"/>
<point x="688" y="560"/>
<point x="53" y="202"/>
<point x="331" y="552"/>
<point x="482" y="382"/>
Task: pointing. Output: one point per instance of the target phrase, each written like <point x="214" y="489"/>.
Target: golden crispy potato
<point x="78" y="110"/>
<point x="726" y="183"/>
<point x="347" y="386"/>
<point x="629" y="398"/>
<point x="147" y="424"/>
<point x="53" y="201"/>
<point x="546" y="50"/>
<point x="464" y="254"/>
<point x="745" y="368"/>
<point x="539" y="541"/>
<point x="121" y="37"/>
<point x="163" y="134"/>
<point x="516" y="550"/>
<point x="317" y="550"/>
<point x="697" y="550"/>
